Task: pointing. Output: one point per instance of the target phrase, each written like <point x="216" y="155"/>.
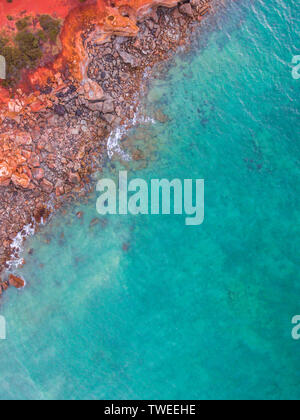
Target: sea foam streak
<point x="16" y="246"/>
<point x="113" y="144"/>
<point x="113" y="141"/>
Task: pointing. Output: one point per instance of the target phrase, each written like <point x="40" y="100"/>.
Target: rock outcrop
<point x="16" y="282"/>
<point x="54" y="137"/>
<point x="14" y="160"/>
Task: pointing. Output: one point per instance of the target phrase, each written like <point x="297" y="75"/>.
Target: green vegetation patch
<point x="23" y="23"/>
<point x="29" y="46"/>
<point x="26" y="49"/>
<point x="50" y="26"/>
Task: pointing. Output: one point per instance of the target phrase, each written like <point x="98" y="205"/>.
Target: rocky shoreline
<point x="47" y="156"/>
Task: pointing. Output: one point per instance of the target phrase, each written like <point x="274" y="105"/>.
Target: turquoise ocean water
<point x="146" y="307"/>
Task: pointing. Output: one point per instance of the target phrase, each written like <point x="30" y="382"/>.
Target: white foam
<point x="16" y="246"/>
<point x="142" y="119"/>
<point x="113" y="144"/>
<point x="113" y="141"/>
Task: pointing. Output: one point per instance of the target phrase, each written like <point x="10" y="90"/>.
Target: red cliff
<point x="103" y="18"/>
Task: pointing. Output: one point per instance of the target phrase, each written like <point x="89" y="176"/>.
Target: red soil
<point x="117" y="17"/>
<point x="59" y="7"/>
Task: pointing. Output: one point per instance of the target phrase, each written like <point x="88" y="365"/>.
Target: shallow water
<point x="183" y="312"/>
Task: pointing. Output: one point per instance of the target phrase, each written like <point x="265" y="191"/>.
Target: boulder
<point x="20" y="180"/>
<point x="14" y="160"/>
<point x="196" y="3"/>
<point x="38" y="173"/>
<point x="74" y="178"/>
<point x="94" y="106"/>
<point x="186" y="9"/>
<point x="59" y="191"/>
<point x="46" y="185"/>
<point x="22" y="138"/>
<point x="5" y="174"/>
<point x="129" y="59"/>
<point x="108" y="107"/>
<point x="16" y="282"/>
<point x="92" y="91"/>
<point x="34" y="161"/>
<point x="110" y="118"/>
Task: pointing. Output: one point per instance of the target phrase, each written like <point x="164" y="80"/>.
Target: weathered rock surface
<point x="92" y="91"/>
<point x="16" y="282"/>
<point x="129" y="59"/>
<point x="186" y="9"/>
<point x="14" y="160"/>
<point x="48" y="153"/>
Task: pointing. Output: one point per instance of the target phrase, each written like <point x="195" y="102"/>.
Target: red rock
<point x="108" y="107"/>
<point x="74" y="178"/>
<point x="137" y="155"/>
<point x="13" y="160"/>
<point x="129" y="59"/>
<point x="38" y="173"/>
<point x="20" y="180"/>
<point x="46" y="185"/>
<point x="34" y="161"/>
<point x="31" y="186"/>
<point x="37" y="106"/>
<point x="27" y="171"/>
<point x="16" y="282"/>
<point x="93" y="91"/>
<point x="41" y="145"/>
<point x="59" y="191"/>
<point x="26" y="154"/>
<point x="22" y="138"/>
<point x="41" y="213"/>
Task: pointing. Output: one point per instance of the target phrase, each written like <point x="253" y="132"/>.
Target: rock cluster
<point x="12" y="281"/>
<point x="47" y="153"/>
<point x="14" y="159"/>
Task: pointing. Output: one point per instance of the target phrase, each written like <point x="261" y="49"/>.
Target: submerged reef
<point x="74" y="73"/>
